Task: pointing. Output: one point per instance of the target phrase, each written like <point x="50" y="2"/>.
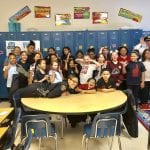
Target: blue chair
<point x="40" y="125"/>
<point x="103" y="125"/>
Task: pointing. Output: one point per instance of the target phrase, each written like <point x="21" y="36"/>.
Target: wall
<point x="9" y="7"/>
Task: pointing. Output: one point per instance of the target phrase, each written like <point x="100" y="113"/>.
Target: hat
<point x="147" y="38"/>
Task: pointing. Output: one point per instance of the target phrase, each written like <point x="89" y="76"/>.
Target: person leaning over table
<point x="47" y="89"/>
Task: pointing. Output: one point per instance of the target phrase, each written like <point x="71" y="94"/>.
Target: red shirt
<point x="123" y="58"/>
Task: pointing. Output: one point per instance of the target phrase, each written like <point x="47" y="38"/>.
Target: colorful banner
<point x="100" y="17"/>
<point x="42" y="12"/>
<point x="22" y="44"/>
<point x="81" y="12"/>
<point x="62" y="19"/>
<point x="130" y="15"/>
<point x="20" y="14"/>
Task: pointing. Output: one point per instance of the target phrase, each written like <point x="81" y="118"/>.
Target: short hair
<point x="105" y="69"/>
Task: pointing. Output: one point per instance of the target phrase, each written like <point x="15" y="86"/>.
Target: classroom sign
<point x="20" y="14"/>
<point x="130" y="15"/>
<point x="22" y="44"/>
<point x="81" y="12"/>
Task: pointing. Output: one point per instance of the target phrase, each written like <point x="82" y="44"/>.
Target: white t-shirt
<point x="141" y="48"/>
<point x="86" y="72"/>
<point x="147" y="72"/>
<point x="58" y="77"/>
<point x="12" y="70"/>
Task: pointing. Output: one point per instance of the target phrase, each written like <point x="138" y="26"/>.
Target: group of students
<point x="53" y="76"/>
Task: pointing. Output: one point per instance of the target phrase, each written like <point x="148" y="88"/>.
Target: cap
<point x="147" y="38"/>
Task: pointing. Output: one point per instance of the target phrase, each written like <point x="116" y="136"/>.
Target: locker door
<point x="57" y="41"/>
<point x="91" y="40"/>
<point x="69" y="41"/>
<point x="80" y="41"/>
<point x="3" y="89"/>
<point x="45" y="42"/>
<point x="135" y="36"/>
<point x="22" y="36"/>
<point x="102" y="39"/>
<point x="113" y="37"/>
<point x="11" y="36"/>
<point x="33" y="36"/>
<point x="125" y="38"/>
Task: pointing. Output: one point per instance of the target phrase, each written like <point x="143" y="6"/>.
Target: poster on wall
<point x="20" y="14"/>
<point x="81" y="12"/>
<point x="42" y="12"/>
<point x="130" y="15"/>
<point x="63" y="19"/>
<point x="100" y="17"/>
<point x="22" y="44"/>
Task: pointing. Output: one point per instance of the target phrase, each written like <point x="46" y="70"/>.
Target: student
<point x="116" y="69"/>
<point x="89" y="87"/>
<point x="40" y="75"/>
<point x="135" y="73"/>
<point x="88" y="67"/>
<point x="10" y="70"/>
<point x="55" y="73"/>
<point x="23" y="69"/>
<point x="91" y="53"/>
<point x="30" y="51"/>
<point x="32" y="70"/>
<point x="145" y="92"/>
<point x="105" y="52"/>
<point x="47" y="90"/>
<point x="71" y="68"/>
<point x="102" y="63"/>
<point x="79" y="54"/>
<point x="106" y="83"/>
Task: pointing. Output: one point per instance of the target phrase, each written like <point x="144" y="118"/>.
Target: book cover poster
<point x="130" y="15"/>
<point x="20" y="14"/>
<point x="100" y="17"/>
<point x="81" y="12"/>
<point x="63" y="19"/>
<point x="42" y="12"/>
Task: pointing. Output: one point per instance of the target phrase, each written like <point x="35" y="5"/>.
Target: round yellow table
<point x="77" y="103"/>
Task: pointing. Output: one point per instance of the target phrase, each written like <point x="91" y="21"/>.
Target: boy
<point x="135" y="74"/>
<point x="106" y="83"/>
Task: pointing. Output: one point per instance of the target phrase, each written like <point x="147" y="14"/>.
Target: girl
<point x="40" y="75"/>
<point x="10" y="70"/>
<point x="123" y="55"/>
<point x="55" y="73"/>
<point x="91" y="53"/>
<point x="105" y="52"/>
<point x="116" y="69"/>
<point x="79" y="54"/>
<point x="37" y="56"/>
<point x="145" y="92"/>
<point x="71" y="68"/>
<point x="23" y="68"/>
<point x="102" y="63"/>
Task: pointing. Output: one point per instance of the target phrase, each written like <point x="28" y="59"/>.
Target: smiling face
<point x="12" y="59"/>
<point x="73" y="82"/>
<point x="91" y="84"/>
<point x="24" y="56"/>
<point x="42" y="65"/>
<point x="123" y="51"/>
<point x="133" y="57"/>
<point x="105" y="75"/>
<point x="114" y="56"/>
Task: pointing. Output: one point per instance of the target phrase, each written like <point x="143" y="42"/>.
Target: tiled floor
<point x="73" y="137"/>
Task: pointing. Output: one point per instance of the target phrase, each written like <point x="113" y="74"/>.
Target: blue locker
<point x="113" y="39"/>
<point x="102" y="39"/>
<point x="11" y="36"/>
<point x="125" y="38"/>
<point x="135" y="37"/>
<point x="46" y="42"/>
<point x="91" y="40"/>
<point x="3" y="89"/>
<point x="69" y="41"/>
<point x="22" y="36"/>
<point x="145" y="33"/>
<point x="57" y="42"/>
<point x="34" y="36"/>
<point x="79" y="41"/>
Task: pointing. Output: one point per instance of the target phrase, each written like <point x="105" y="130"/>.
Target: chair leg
<point x="111" y="143"/>
<point x="55" y="141"/>
<point x="83" y="140"/>
<point x="62" y="127"/>
<point x="86" y="143"/>
<point x="40" y="139"/>
<point x="119" y="142"/>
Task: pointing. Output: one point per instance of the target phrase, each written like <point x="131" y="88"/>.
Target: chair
<point x="103" y="125"/>
<point x="12" y="130"/>
<point x="40" y="125"/>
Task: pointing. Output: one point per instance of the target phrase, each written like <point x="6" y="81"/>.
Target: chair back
<point x="106" y="125"/>
<point x="39" y="124"/>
